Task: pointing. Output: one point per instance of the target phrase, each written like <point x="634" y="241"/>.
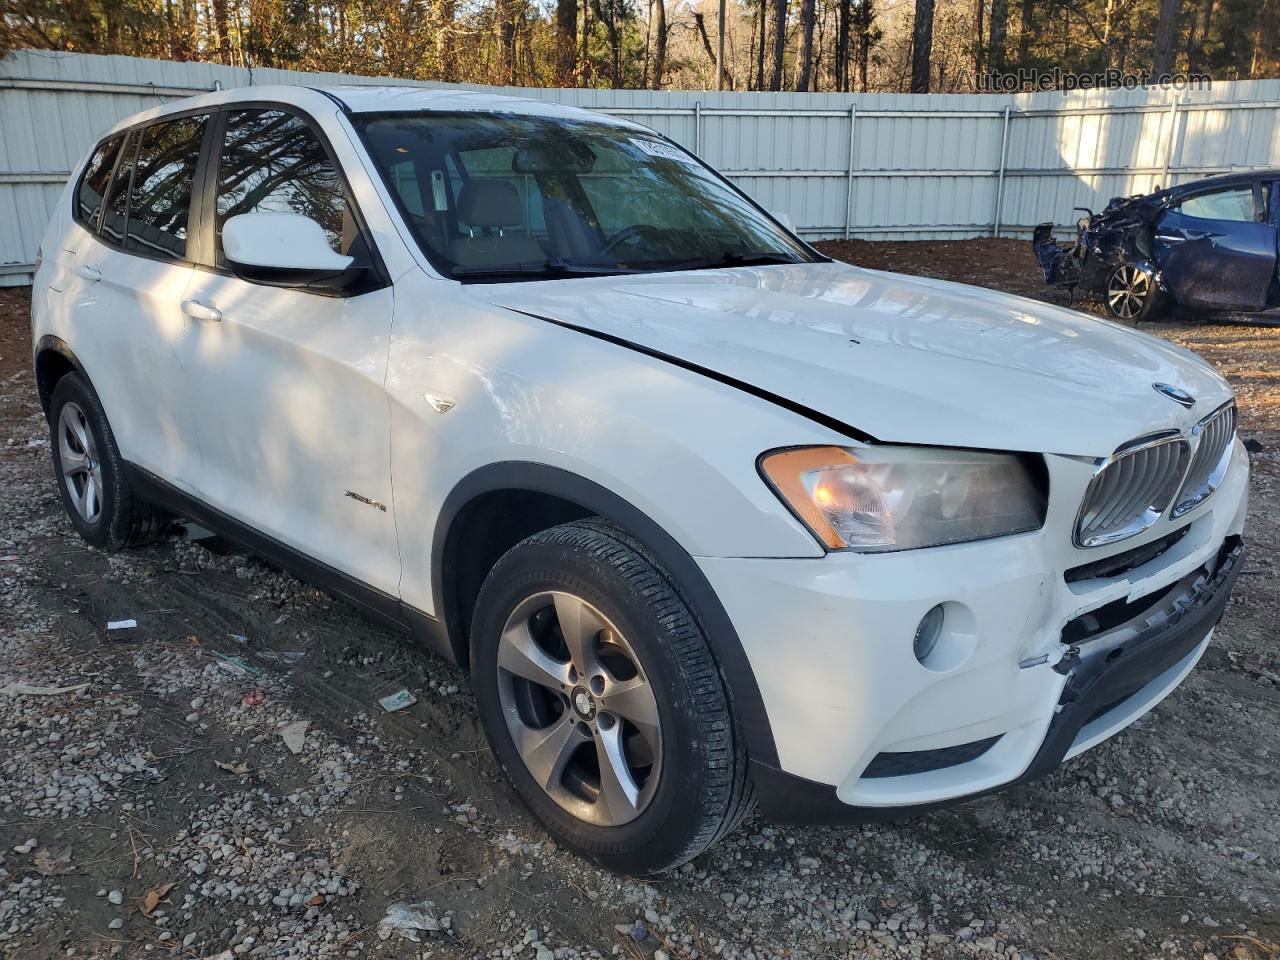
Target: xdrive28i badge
<point x="1176" y="394"/>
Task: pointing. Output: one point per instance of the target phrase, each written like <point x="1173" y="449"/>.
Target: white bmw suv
<point x="712" y="521"/>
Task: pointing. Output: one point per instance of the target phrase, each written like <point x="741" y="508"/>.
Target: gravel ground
<point x="220" y="782"/>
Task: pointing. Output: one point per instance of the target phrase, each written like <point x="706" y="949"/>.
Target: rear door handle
<point x="199" y="311"/>
<point x="89" y="272"/>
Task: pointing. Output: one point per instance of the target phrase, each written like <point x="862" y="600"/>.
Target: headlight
<point x="900" y="498"/>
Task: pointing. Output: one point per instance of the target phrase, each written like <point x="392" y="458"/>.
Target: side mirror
<point x="286" y="249"/>
<point x="783" y="218"/>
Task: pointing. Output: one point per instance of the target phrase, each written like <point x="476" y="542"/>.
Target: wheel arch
<point x="53" y="359"/>
<point x="494" y="507"/>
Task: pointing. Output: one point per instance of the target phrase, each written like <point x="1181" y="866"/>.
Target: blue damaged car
<point x="1204" y="249"/>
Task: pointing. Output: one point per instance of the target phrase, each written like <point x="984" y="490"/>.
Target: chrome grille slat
<point x="1214" y="436"/>
<point x="1131" y="490"/>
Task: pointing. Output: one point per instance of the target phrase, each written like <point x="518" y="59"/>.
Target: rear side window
<point x="272" y="162"/>
<point x="94" y="182"/>
<point x="1235" y="204"/>
<point x="162" y="183"/>
<point x="115" y="217"/>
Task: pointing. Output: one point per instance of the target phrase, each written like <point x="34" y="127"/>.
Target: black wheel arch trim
<point x="53" y="344"/>
<point x="687" y="578"/>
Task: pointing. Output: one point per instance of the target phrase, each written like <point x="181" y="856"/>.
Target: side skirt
<point x="386" y="608"/>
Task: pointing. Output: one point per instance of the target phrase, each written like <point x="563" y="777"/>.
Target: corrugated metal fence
<point x="875" y="166"/>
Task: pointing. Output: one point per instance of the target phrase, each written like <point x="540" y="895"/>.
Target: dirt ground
<point x="158" y="809"/>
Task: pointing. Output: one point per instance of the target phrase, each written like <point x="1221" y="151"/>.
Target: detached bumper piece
<point x="1115" y="652"/>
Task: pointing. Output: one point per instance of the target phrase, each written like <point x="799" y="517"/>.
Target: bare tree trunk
<point x="1026" y="29"/>
<point x="223" y="30"/>
<point x="1199" y="33"/>
<point x="1166" y="39"/>
<point x="1110" y="22"/>
<point x="762" y="18"/>
<point x="659" y="43"/>
<point x="807" y="13"/>
<point x="725" y="79"/>
<point x="444" y="40"/>
<point x="505" y="9"/>
<point x="979" y="48"/>
<point x="566" y="41"/>
<point x="921" y="46"/>
<point x="998" y="33"/>
<point x="721" y="24"/>
<point x="844" y="15"/>
<point x="779" y="43"/>
<point x="866" y="34"/>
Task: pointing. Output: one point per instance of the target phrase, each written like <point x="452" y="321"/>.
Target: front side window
<point x="162" y="185"/>
<point x="272" y="162"/>
<point x="1235" y="204"/>
<point x="497" y="195"/>
<point x="94" y="183"/>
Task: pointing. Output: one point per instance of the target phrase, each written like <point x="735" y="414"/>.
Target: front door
<point x="1217" y="250"/>
<point x="287" y="384"/>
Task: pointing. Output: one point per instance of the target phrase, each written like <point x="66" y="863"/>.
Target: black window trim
<point x="200" y="223"/>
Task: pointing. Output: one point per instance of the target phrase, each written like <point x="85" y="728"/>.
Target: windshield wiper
<point x="537" y="268"/>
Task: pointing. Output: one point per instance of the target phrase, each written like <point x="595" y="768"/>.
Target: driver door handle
<point x="89" y="272"/>
<point x="199" y="311"/>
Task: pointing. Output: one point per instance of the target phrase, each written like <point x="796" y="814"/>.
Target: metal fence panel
<point x="877" y="166"/>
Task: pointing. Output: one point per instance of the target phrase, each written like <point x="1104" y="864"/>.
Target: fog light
<point x="927" y="633"/>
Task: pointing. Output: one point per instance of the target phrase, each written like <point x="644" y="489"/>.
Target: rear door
<point x="125" y="287"/>
<point x="1217" y="249"/>
<point x="286" y="382"/>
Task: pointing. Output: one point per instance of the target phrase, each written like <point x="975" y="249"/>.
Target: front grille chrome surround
<point x="1213" y="439"/>
<point x="1131" y="489"/>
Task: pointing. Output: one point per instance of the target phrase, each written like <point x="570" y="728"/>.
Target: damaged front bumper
<point x="1066" y="648"/>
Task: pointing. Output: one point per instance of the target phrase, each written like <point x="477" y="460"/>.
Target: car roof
<point x="374" y="98"/>
<point x="1222" y="180"/>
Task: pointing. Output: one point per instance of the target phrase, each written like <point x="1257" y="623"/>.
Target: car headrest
<point x="489" y="203"/>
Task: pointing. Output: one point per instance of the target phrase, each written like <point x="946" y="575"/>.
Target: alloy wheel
<point x="580" y="710"/>
<point x="78" y="458"/>
<point x="1127" y="291"/>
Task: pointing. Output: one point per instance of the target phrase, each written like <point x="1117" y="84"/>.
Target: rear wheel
<point x="1133" y="295"/>
<point x="98" y="499"/>
<point x="601" y="700"/>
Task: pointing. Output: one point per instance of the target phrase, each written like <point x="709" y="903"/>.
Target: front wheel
<point x="1133" y="295"/>
<point x="601" y="700"/>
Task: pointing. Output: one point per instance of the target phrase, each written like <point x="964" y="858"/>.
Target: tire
<point x="1133" y="296"/>
<point x="683" y="781"/>
<point x="87" y="465"/>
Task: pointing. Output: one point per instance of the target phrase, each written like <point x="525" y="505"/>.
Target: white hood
<point x="903" y="359"/>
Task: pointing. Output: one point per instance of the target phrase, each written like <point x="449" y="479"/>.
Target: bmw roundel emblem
<point x="1176" y="394"/>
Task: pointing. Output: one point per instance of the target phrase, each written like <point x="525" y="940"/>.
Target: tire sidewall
<point x="668" y="824"/>
<point x="72" y="389"/>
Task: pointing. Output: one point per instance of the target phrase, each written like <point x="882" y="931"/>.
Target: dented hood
<point x="903" y="359"/>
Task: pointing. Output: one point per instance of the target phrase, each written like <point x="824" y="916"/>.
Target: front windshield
<point x="504" y="196"/>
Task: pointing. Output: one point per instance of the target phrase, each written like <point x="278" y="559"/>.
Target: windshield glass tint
<point x="491" y="196"/>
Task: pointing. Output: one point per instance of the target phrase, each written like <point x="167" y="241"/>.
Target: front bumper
<point x="1043" y="665"/>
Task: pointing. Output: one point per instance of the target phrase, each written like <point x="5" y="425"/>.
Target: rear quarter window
<point x="92" y="191"/>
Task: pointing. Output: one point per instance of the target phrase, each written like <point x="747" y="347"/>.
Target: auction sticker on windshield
<point x="664" y="150"/>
